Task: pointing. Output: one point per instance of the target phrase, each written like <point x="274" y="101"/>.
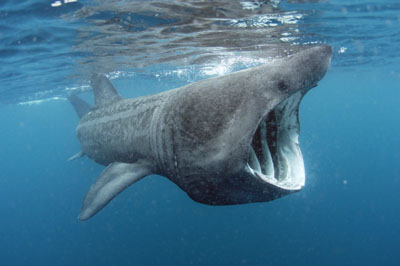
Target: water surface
<point x="347" y="213"/>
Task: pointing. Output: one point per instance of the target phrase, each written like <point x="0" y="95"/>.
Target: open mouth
<point x="275" y="155"/>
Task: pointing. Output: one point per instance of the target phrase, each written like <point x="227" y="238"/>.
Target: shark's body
<point x="232" y="139"/>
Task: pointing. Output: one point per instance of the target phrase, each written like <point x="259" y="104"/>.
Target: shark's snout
<point x="316" y="61"/>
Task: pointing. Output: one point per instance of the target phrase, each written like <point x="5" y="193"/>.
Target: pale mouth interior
<point x="275" y="155"/>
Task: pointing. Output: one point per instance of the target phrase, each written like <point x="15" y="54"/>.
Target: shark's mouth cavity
<point x="275" y="155"/>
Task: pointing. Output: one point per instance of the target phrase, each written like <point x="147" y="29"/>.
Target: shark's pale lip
<point x="275" y="155"/>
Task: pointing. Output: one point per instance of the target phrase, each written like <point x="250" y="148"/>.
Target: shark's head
<point x="274" y="157"/>
<point x="238" y="134"/>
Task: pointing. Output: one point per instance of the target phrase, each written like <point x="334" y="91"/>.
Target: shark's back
<point x="115" y="129"/>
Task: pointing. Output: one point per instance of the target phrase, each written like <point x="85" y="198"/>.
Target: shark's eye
<point x="282" y="86"/>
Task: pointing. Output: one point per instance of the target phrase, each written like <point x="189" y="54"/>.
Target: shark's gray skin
<point x="232" y="139"/>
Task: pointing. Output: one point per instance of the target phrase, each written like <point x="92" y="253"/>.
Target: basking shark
<point x="231" y="139"/>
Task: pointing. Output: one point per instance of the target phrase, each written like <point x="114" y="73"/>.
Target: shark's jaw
<point x="274" y="153"/>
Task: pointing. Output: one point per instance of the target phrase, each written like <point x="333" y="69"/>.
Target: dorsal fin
<point x="104" y="92"/>
<point x="81" y="107"/>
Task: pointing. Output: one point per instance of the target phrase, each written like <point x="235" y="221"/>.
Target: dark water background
<point x="348" y="212"/>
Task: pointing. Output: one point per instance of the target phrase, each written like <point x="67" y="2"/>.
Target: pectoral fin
<point x="114" y="179"/>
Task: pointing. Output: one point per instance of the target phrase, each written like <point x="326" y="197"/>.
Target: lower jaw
<point x="291" y="183"/>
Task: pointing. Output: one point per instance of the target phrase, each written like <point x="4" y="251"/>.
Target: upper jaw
<point x="274" y="154"/>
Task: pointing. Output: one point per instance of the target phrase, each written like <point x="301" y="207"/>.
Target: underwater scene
<point x="199" y="132"/>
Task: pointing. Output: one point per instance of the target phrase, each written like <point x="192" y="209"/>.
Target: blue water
<point x="347" y="214"/>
